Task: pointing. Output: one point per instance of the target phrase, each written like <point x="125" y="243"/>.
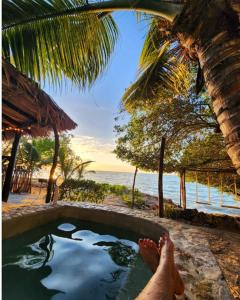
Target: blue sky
<point x="94" y="110"/>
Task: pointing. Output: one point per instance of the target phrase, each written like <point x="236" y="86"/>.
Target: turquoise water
<point x="147" y="183"/>
<point x="72" y="260"/>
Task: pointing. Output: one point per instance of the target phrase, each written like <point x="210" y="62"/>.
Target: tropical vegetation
<point x="35" y="40"/>
<point x="192" y="135"/>
<point x="91" y="191"/>
<point x="56" y="43"/>
<point x="35" y="154"/>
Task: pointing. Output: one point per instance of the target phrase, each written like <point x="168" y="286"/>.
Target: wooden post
<point x="133" y="186"/>
<point x="235" y="187"/>
<point x="160" y="179"/>
<point x="221" y="190"/>
<point x="180" y="196"/>
<point x="184" y="200"/>
<point x="9" y="173"/>
<point x="209" y="191"/>
<point x="54" y="165"/>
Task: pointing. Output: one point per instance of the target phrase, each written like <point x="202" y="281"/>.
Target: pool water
<point x="71" y="259"/>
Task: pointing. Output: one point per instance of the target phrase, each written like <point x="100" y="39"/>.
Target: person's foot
<point x="151" y="254"/>
<point x="167" y="256"/>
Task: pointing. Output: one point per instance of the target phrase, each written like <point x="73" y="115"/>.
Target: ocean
<point x="147" y="183"/>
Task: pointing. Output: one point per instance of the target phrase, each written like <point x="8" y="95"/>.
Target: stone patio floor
<point x="199" y="250"/>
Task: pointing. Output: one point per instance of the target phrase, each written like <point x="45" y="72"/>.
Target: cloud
<point x="100" y="151"/>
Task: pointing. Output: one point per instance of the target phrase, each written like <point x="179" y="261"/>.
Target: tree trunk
<point x="9" y="173"/>
<point x="54" y="165"/>
<point x="160" y="179"/>
<point x="212" y="37"/>
<point x="133" y="187"/>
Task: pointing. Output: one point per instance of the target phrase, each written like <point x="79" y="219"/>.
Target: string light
<point x="14" y="129"/>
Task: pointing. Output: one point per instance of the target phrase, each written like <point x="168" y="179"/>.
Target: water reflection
<point x="23" y="273"/>
<point x="122" y="255"/>
<point x="47" y="246"/>
<point x="77" y="264"/>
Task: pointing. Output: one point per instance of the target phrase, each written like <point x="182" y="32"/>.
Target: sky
<point x="94" y="110"/>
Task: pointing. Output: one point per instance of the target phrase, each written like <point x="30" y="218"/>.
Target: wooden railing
<point x="21" y="181"/>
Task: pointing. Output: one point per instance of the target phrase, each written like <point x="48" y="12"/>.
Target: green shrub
<point x="83" y="190"/>
<point x="91" y="191"/>
<point x="138" y="199"/>
<point x="171" y="212"/>
<point x="118" y="190"/>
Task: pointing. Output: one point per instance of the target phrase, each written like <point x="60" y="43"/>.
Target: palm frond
<point x="161" y="68"/>
<point x="158" y="34"/>
<point x="77" y="46"/>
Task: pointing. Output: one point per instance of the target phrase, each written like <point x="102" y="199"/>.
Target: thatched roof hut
<point x="28" y="109"/>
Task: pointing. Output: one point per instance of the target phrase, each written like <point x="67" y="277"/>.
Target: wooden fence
<point x="21" y="181"/>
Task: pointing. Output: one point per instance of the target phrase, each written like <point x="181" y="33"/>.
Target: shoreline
<point x="150" y="203"/>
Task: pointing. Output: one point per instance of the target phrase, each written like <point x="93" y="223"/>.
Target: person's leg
<point x="179" y="284"/>
<point x="164" y="283"/>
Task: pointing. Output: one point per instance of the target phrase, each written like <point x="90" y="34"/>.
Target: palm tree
<point x="69" y="164"/>
<point x="208" y="30"/>
<point x="164" y="71"/>
<point x="72" y="165"/>
<point x="55" y="46"/>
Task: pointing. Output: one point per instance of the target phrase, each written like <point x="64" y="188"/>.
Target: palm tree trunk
<point x="212" y="37"/>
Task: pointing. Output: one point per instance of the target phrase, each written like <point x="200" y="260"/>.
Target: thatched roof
<point x="27" y="108"/>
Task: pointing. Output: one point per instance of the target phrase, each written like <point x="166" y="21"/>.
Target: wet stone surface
<point x="201" y="274"/>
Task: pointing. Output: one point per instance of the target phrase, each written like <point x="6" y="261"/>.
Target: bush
<point x="171" y="212"/>
<point x="91" y="191"/>
<point x="118" y="190"/>
<point x="83" y="190"/>
<point x="138" y="199"/>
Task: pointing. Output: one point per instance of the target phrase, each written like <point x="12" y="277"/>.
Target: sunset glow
<point x="101" y="152"/>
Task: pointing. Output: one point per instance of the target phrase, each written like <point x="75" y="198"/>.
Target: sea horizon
<point x="147" y="183"/>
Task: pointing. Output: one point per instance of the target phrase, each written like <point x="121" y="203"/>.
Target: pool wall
<point x="21" y="223"/>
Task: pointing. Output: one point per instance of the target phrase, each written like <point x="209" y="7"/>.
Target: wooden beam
<point x="11" y="121"/>
<point x="214" y="170"/>
<point x="54" y="165"/>
<point x="19" y="110"/>
<point x="230" y="206"/>
<point x="203" y="202"/>
<point x="9" y="173"/>
<point x="4" y="124"/>
<point x="160" y="179"/>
